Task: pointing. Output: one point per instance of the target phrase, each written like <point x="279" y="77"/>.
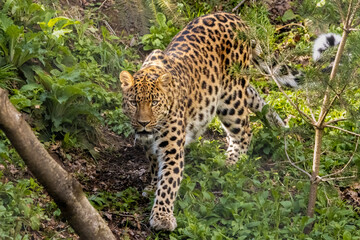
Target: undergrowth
<point x="63" y="74"/>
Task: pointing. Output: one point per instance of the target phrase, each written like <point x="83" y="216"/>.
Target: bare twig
<point x="325" y="112"/>
<point x="327" y="108"/>
<point x="237" y="6"/>
<point x="292" y="163"/>
<point x="102" y="4"/>
<point x="336" y="178"/>
<point x="348" y="16"/>
<point x="288" y="25"/>
<point x="109" y="27"/>
<point x="347" y="164"/>
<point x="346" y="23"/>
<point x="353" y="27"/>
<point x="337" y="120"/>
<point x="353" y="13"/>
<point x="341" y="129"/>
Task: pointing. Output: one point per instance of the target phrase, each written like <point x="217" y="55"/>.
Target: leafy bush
<point x="7" y="75"/>
<point x="118" y="122"/>
<point x="160" y="34"/>
<point x="67" y="102"/>
<point x="124" y="201"/>
<point x="66" y="72"/>
<point x="8" y="156"/>
<point x="18" y="210"/>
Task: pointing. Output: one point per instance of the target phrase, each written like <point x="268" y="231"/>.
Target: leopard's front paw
<point x="163" y="221"/>
<point x="230" y="162"/>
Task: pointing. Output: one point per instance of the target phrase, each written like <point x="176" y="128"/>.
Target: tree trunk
<point x="62" y="187"/>
<point x="314" y="181"/>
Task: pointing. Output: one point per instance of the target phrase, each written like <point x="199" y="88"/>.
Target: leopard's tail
<point x="284" y="74"/>
<point x="323" y="42"/>
<point x="287" y="75"/>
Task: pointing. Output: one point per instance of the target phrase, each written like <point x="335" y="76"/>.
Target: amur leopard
<point x="178" y="91"/>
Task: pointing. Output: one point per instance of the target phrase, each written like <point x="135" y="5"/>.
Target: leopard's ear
<point x="165" y="80"/>
<point x="126" y="80"/>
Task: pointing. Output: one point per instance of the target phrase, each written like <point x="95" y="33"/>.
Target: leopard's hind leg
<point x="233" y="113"/>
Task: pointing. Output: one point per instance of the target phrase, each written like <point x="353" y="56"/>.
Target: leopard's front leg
<point x="170" y="151"/>
<point x="153" y="169"/>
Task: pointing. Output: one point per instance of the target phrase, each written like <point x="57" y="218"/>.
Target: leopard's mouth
<point x="144" y="136"/>
<point x="144" y="132"/>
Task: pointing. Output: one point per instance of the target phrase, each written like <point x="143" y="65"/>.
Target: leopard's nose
<point x="144" y="124"/>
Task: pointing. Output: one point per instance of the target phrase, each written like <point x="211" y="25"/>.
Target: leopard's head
<point x="147" y="98"/>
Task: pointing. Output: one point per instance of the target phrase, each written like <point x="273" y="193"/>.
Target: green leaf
<point x="161" y="19"/>
<point x="288" y="15"/>
<point x="61" y="32"/>
<point x="286" y="204"/>
<point x="53" y="21"/>
<point x="35" y="222"/>
<point x="30" y="87"/>
<point x="206" y="195"/>
<point x="320" y="3"/>
<point x="347" y="235"/>
<point x="267" y="150"/>
<point x="5" y="21"/>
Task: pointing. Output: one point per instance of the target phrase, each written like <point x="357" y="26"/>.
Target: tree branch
<point x="61" y="186"/>
<point x="237" y="6"/>
<point x="328" y="107"/>
<point x="337" y="120"/>
<point x="353" y="14"/>
<point x="336" y="178"/>
<point x="288" y="25"/>
<point x="341" y="129"/>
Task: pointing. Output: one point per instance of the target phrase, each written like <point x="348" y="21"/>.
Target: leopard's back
<point x="204" y="51"/>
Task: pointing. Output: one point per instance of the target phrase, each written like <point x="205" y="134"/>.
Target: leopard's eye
<point x="133" y="102"/>
<point x="154" y="103"/>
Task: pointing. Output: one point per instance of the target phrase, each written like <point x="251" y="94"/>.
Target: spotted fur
<point x="177" y="92"/>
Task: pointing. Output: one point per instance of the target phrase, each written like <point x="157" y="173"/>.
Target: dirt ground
<point x="119" y="164"/>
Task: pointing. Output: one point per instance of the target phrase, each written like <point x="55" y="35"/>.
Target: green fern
<point x="165" y="6"/>
<point x="7" y="74"/>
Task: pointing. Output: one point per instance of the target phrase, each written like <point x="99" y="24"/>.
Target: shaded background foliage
<point x="61" y="65"/>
